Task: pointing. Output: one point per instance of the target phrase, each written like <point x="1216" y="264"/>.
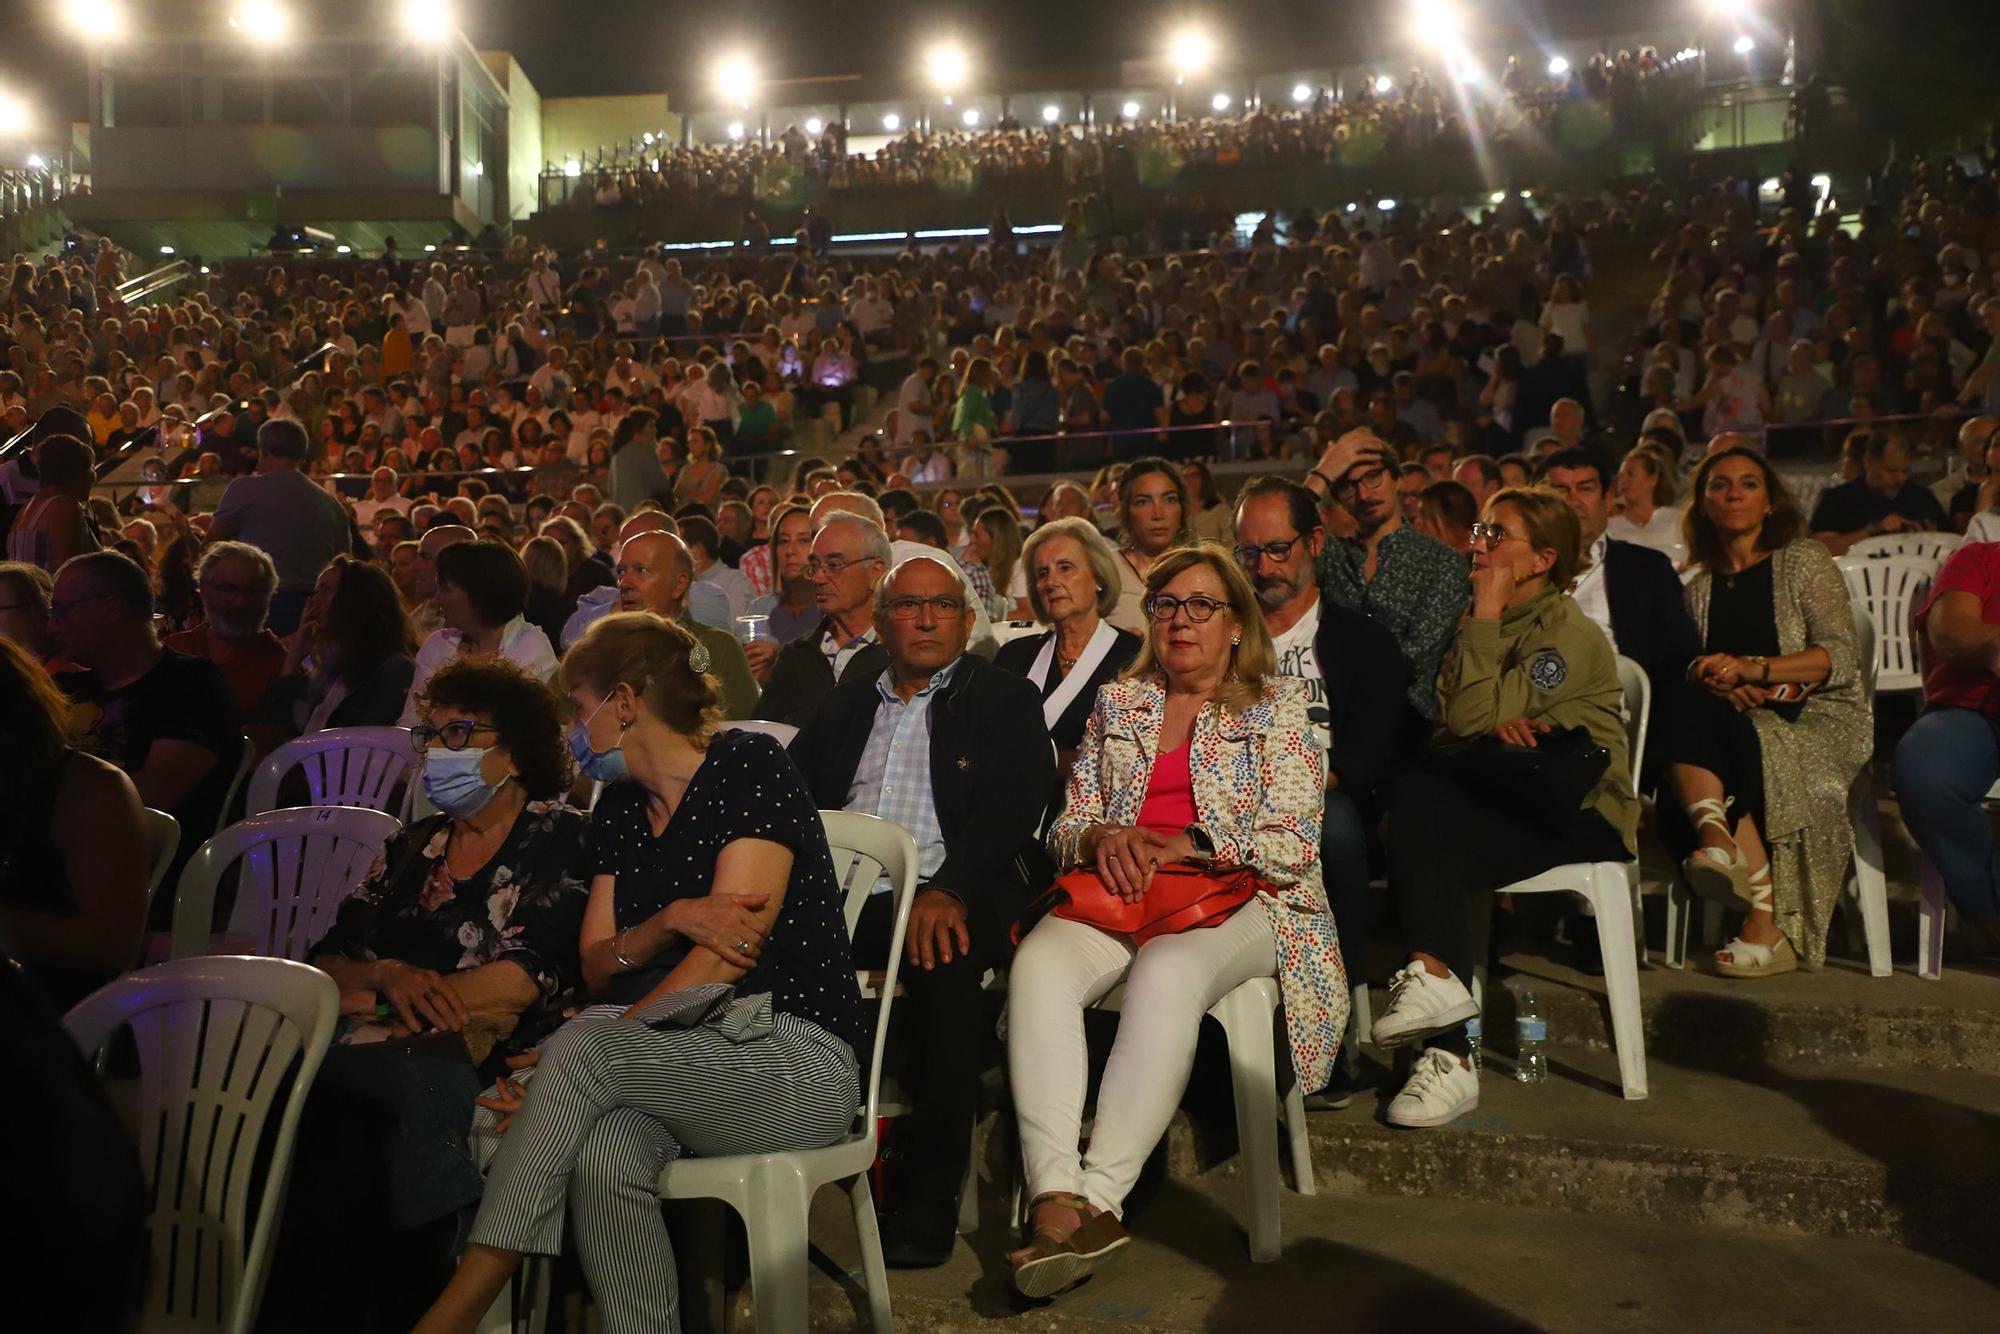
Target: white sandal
<point x="1723" y="873"/>
<point x="1739" y="958"/>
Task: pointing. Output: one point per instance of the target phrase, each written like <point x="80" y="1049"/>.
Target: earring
<point x="1235" y="641"/>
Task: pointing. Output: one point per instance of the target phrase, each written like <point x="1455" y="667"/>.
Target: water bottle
<point x="1473" y="1032"/>
<point x="1530" y="1032"/>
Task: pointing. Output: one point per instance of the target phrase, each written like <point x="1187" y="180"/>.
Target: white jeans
<point x="1170" y="981"/>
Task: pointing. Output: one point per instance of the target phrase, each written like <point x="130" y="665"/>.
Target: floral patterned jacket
<point x="525" y="906"/>
<point x="1259" y="792"/>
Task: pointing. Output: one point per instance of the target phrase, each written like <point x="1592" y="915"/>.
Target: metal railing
<point x="25" y="189"/>
<point x="155" y="284"/>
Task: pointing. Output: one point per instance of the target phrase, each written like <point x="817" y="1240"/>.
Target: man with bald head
<point x="422" y="578"/>
<point x="654" y="573"/>
<point x="706" y="604"/>
<point x="932" y="737"/>
<point x="1958" y="490"/>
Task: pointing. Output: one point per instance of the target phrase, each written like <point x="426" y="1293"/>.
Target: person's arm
<point x="1282" y="838"/>
<point x="173" y="770"/>
<point x="1957" y="630"/>
<point x="756" y="872"/>
<point x="98" y="831"/>
<point x="1071" y="839"/>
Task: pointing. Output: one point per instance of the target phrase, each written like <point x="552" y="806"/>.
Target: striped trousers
<point x="612" y="1101"/>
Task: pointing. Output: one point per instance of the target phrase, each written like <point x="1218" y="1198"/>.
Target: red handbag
<point x="1182" y="897"/>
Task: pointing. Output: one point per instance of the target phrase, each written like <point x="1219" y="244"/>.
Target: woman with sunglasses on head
<point x="1528" y="662"/>
<point x="1201" y="756"/>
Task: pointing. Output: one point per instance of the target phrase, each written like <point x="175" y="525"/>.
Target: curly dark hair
<point x="524" y="713"/>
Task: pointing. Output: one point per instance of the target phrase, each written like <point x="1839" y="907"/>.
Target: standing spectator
<point x="279" y="510"/>
<point x="1134" y="407"/>
<point x="55" y="523"/>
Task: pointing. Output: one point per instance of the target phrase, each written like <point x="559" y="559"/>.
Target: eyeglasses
<point x="1247" y="556"/>
<point x="832" y="565"/>
<point x="1198" y="608"/>
<point x="909" y="608"/>
<point x="1345" y="488"/>
<point x="1489" y="535"/>
<point x="455" y="735"/>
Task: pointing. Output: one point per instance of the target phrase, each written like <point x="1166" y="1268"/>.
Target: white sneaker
<point x="1422" y="1006"/>
<point x="1439" y="1091"/>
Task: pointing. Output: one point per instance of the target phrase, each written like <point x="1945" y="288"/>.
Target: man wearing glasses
<point x="955" y="751"/>
<point x="1413" y="586"/>
<point x="849" y="557"/>
<point x="1356" y="687"/>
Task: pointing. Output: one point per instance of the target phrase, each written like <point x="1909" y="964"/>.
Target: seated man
<point x="165" y="718"/>
<point x="707" y="605"/>
<point x="654" y="572"/>
<point x="849" y="557"/>
<point x="236" y="582"/>
<point x="1881" y="500"/>
<point x="704" y="547"/>
<point x="930" y="736"/>
<point x="1950" y="758"/>
<point x="1358" y="701"/>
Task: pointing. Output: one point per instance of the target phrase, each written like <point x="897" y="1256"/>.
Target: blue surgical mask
<point x="603" y="766"/>
<point x="454" y="783"/>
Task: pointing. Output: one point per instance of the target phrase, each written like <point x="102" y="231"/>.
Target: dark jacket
<point x="1650" y="621"/>
<point x="802" y="678"/>
<point x="1018" y="656"/>
<point x="1367" y="692"/>
<point x="988" y="787"/>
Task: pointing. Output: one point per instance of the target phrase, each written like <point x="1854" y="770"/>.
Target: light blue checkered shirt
<point x="893" y="779"/>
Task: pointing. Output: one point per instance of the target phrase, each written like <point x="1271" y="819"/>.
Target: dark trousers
<point x="1343" y="855"/>
<point x="945" y="1024"/>
<point x="1448" y="853"/>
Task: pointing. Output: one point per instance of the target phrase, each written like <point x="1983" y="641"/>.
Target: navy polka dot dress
<point x="747" y="787"/>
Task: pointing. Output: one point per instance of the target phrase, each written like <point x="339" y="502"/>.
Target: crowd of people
<point x="1259" y="709"/>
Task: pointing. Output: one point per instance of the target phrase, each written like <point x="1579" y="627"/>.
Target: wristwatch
<point x="1204" y="846"/>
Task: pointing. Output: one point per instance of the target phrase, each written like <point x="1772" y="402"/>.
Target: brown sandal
<point x="1054" y="1262"/>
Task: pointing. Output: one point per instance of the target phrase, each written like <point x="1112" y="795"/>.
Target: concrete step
<point x="1839" y="1015"/>
<point x="1362" y="1264"/>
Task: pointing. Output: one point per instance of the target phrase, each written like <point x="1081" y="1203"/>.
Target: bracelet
<point x="1315" y="472"/>
<point x="618" y="951"/>
<point x="1765" y="663"/>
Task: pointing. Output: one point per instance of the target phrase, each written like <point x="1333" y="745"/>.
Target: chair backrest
<point x="163" y="840"/>
<point x="222" y="1043"/>
<point x="1003" y="631"/>
<point x="1864" y="647"/>
<point x="242" y="775"/>
<point x="344" y="766"/>
<point x="1892" y="588"/>
<point x="297" y="865"/>
<point x="784" y="732"/>
<point x="1638" y="690"/>
<point x="1933" y="546"/>
<point x="865" y="847"/>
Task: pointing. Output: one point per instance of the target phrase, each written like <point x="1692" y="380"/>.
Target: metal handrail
<point x="134" y="291"/>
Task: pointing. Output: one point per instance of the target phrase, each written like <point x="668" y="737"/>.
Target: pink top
<point x="1169" y="806"/>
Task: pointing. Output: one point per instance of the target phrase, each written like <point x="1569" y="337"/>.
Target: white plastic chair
<point x="163" y="840"/>
<point x="344" y="766"/>
<point x="222" y="1043"/>
<point x="784" y="732"/>
<point x="297" y="865"/>
<point x="244" y="761"/>
<point x="1930" y="546"/>
<point x="1248" y="1017"/>
<point x="1637" y="689"/>
<point x="1892" y="588"/>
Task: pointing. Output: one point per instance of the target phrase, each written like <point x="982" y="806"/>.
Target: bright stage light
<point x="1302" y="92"/>
<point x="1051" y="114"/>
<point x="1438" y="22"/>
<point x="814" y="125"/>
<point x="95" y="20"/>
<point x="1743" y="45"/>
<point x="1558" y="66"/>
<point x="1384" y="85"/>
<point x="892" y="122"/>
<point x="427" y="22"/>
<point x="13" y="114"/>
<point x="166" y="250"/>
<point x="1219" y="102"/>
<point x="971" y="117"/>
<point x="1190" y="51"/>
<point x="1386" y="205"/>
<point x="1130" y="110"/>
<point x="572" y="168"/>
<point x="735" y="130"/>
<point x="36" y="162"/>
<point x="1497" y="197"/>
<point x="735" y="80"/>
<point x="946" y="66"/>
<point x="262" y="21"/>
<point x="343" y="250"/>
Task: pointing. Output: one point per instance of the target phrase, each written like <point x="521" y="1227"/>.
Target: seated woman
<point x="350" y="662"/>
<point x="25" y="591"/>
<point x="715" y="931"/>
<point x="1770" y="726"/>
<point x="1199" y="753"/>
<point x="1152" y="517"/>
<point x="482" y="591"/>
<point x="1072" y="586"/>
<point x="1527" y="660"/>
<point x="73" y="857"/>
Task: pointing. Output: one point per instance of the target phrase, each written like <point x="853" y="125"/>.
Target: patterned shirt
<point x="1418" y="594"/>
<point x="893" y="779"/>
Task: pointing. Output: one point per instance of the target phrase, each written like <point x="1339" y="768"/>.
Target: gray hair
<point x="853" y="502"/>
<point x="1096" y="549"/>
<point x="941" y="559"/>
<point x="267" y="573"/>
<point x="874" y="541"/>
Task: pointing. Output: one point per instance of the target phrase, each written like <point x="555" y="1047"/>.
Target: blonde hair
<point x="650" y="654"/>
<point x="1552" y="526"/>
<point x="1666" y="477"/>
<point x="1252" y="659"/>
<point x="547" y="563"/>
<point x="1004" y="555"/>
<point x="1097" y="551"/>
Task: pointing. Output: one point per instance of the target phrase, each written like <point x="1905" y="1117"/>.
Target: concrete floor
<point x="1366" y="1263"/>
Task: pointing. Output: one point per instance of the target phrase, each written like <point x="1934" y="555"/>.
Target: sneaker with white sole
<point x="1438" y="1092"/>
<point x="1422" y="1006"/>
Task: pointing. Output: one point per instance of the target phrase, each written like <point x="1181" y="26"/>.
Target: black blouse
<point x="1743" y="620"/>
<point x="1018" y="656"/>
<point x="746" y="787"/>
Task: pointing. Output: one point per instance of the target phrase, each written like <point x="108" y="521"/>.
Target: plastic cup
<point x="751" y="628"/>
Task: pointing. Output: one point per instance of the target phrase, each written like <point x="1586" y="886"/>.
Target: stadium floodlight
<point x="735" y="130"/>
<point x="892" y="122"/>
<point x="343" y="249"/>
<point x="13" y="114"/>
<point x="572" y="168"/>
<point x="1190" y="51"/>
<point x="166" y="250"/>
<point x="971" y="117"/>
<point x="1051" y="114"/>
<point x="1743" y="45"/>
<point x="735" y="80"/>
<point x="95" y="20"/>
<point x="1386" y="205"/>
<point x="263" y="21"/>
<point x="36" y="162"/>
<point x="1219" y="102"/>
<point x="1130" y="110"/>
<point x="1558" y="67"/>
<point x="427" y="22"/>
<point x="814" y="125"/>
<point x="1439" y="23"/>
<point x="1384" y="85"/>
<point x="946" y="66"/>
<point x="431" y="248"/>
<point x="1302" y="92"/>
<point x="1497" y="197"/>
